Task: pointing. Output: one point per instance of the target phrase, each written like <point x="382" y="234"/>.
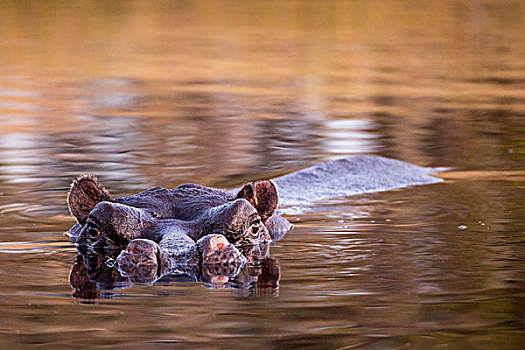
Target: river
<point x="221" y="93"/>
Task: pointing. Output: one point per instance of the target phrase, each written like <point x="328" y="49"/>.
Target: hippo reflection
<point x="192" y="228"/>
<point x="95" y="271"/>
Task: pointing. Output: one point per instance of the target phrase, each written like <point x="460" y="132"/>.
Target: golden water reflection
<point x="218" y="93"/>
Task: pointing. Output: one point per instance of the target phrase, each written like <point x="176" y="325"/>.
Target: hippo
<point x="168" y="228"/>
<point x="161" y="230"/>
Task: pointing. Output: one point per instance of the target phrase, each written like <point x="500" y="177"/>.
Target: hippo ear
<point x="84" y="194"/>
<point x="263" y="196"/>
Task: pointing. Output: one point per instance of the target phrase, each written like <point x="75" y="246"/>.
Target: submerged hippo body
<point x="163" y="229"/>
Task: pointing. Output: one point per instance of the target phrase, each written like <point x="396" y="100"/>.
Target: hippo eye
<point x="255" y="227"/>
<point x="93" y="232"/>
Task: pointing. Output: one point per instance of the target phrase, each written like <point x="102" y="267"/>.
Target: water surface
<point x="219" y="94"/>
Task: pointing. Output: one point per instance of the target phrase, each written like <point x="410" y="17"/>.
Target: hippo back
<point x="349" y="176"/>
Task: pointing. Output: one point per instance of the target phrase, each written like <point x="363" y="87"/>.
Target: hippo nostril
<point x="219" y="243"/>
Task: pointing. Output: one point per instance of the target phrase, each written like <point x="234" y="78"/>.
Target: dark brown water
<point x="221" y="93"/>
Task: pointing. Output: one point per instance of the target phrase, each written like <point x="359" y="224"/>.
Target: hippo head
<point x="104" y="223"/>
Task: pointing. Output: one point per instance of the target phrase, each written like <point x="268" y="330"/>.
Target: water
<point x="219" y="94"/>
